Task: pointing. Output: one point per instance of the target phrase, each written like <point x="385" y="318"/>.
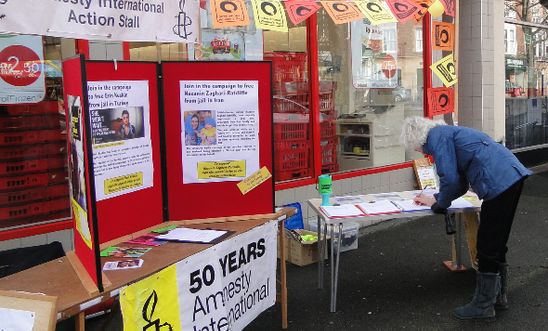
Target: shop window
<point x="33" y="172"/>
<point x="418" y="40"/>
<point x="373" y="73"/>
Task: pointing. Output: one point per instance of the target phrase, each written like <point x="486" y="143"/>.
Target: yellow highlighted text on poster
<point x="256" y="179"/>
<point x="221" y="169"/>
<point x="446" y="70"/>
<point x="152" y="303"/>
<point x="122" y="183"/>
<point x="81" y="222"/>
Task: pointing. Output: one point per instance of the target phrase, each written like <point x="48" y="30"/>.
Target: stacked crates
<point x="33" y="174"/>
<point x="328" y="127"/>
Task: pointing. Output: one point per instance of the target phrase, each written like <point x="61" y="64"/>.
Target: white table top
<point x="371" y="219"/>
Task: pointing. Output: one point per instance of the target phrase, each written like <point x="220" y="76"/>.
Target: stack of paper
<point x="192" y="235"/>
<point x="342" y="211"/>
<point x="460" y="203"/>
<point x="408" y="205"/>
<point x="378" y="207"/>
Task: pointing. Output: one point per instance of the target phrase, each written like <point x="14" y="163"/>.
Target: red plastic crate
<point x="26" y="181"/>
<point x="34" y="194"/>
<point x="30" y="137"/>
<point x="294" y="103"/>
<point x="287" y="66"/>
<point x="290" y="131"/>
<point x="289" y="175"/>
<point x="328" y="129"/>
<point x="329" y="151"/>
<point x="327" y="101"/>
<point x="26" y="166"/>
<point x="42" y="108"/>
<point x="34" y="209"/>
<point x="31" y="122"/>
<point x="32" y="151"/>
<point x="291" y="155"/>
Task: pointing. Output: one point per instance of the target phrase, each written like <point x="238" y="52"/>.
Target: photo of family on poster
<point x="200" y="128"/>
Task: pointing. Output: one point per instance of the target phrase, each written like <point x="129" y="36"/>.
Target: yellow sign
<point x="375" y="12"/>
<point x="126" y="182"/>
<point x="446" y="70"/>
<point x="256" y="179"/>
<point x="81" y="222"/>
<point x="269" y="15"/>
<point x="436" y="9"/>
<point x="342" y="11"/>
<point x="221" y="169"/>
<point x="229" y="13"/>
<point x="152" y="303"/>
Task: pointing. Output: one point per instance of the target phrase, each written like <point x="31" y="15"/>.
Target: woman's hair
<point x="415" y="131"/>
<point x="197" y="119"/>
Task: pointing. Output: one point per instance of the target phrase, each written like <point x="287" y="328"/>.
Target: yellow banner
<point x="221" y="169"/>
<point x="436" y="9"/>
<point x="446" y="70"/>
<point x="152" y="303"/>
<point x="256" y="179"/>
<point x="376" y="12"/>
<point x="269" y="15"/>
<point x="81" y="222"/>
<point x="122" y="183"/>
<point x="341" y="11"/>
<point x="229" y="13"/>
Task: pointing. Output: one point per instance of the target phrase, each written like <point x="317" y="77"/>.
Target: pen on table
<point x="420" y="194"/>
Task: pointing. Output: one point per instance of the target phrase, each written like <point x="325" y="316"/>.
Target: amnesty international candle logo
<point x="375" y="12"/>
<point x="342" y="12"/>
<point x="403" y="9"/>
<point x="443" y="35"/>
<point x="154" y="324"/>
<point x="446" y="70"/>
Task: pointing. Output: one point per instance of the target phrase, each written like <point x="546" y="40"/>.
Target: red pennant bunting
<point x="403" y="10"/>
<point x="423" y="8"/>
<point x="449" y="6"/>
<point x="300" y="10"/>
<point x="440" y="101"/>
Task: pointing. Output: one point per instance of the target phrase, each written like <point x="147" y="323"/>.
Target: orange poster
<point x="300" y="10"/>
<point x="443" y="35"/>
<point x="229" y="13"/>
<point x="403" y="10"/>
<point x="342" y="11"/>
<point x="440" y="101"/>
<point x="423" y="8"/>
<point x="449" y="6"/>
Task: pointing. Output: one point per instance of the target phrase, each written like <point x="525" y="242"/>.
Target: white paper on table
<point x="460" y="203"/>
<point x="350" y="199"/>
<point x="16" y="320"/>
<point x="407" y="205"/>
<point x="342" y="211"/>
<point x="378" y="207"/>
<point x="192" y="235"/>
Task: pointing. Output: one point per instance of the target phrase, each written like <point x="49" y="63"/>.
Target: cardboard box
<point x="300" y="253"/>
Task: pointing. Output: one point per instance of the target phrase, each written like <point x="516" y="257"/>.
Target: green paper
<point x="105" y="252"/>
<point x="164" y="229"/>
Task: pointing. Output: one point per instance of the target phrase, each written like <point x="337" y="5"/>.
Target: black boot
<point x="502" y="300"/>
<point x="483" y="302"/>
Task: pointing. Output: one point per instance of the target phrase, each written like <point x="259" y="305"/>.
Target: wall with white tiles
<point x="391" y="181"/>
<point x="481" y="66"/>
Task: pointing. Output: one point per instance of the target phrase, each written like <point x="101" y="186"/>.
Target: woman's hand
<point x="426" y="200"/>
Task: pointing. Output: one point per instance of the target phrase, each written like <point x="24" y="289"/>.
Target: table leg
<point x="336" y="281"/>
<point x="332" y="266"/>
<point x="458" y="241"/>
<point x="320" y="255"/>
<point x="283" y="274"/>
<point x="80" y="321"/>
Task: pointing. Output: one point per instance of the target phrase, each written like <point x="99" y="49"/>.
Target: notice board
<point x="218" y="128"/>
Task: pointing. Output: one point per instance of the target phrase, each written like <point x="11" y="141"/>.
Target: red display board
<point x="86" y="241"/>
<point x="214" y="199"/>
<point x="133" y="210"/>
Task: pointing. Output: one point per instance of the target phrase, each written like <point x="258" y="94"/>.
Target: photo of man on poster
<point x="127" y="130"/>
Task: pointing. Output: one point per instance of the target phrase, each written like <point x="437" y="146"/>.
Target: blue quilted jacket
<point x="466" y="156"/>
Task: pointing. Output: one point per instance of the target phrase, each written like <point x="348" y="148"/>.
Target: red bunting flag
<point x="403" y="10"/>
<point x="300" y="10"/>
<point x="440" y="101"/>
<point x="449" y="6"/>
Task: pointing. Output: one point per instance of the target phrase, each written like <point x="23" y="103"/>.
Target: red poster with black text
<point x="449" y="6"/>
<point x="440" y="101"/>
<point x="403" y="10"/>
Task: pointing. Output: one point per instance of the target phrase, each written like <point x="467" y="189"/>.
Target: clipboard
<point x="44" y="307"/>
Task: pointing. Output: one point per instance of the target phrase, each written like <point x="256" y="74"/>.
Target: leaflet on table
<point x="219" y="130"/>
<point x="378" y="207"/>
<point x="460" y="203"/>
<point x="16" y="319"/>
<point x="192" y="235"/>
<point x="119" y="113"/>
<point x="408" y="205"/>
<point x="342" y="211"/>
<point x="350" y="199"/>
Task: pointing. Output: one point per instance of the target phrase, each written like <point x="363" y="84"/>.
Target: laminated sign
<point x="449" y="6"/>
<point x="403" y="9"/>
<point x="299" y="11"/>
<point x="342" y="12"/>
<point x="440" y="101"/>
<point x="376" y="12"/>
<point x="443" y="35"/>
<point x="227" y="13"/>
<point x="446" y="70"/>
<point x="269" y="15"/>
